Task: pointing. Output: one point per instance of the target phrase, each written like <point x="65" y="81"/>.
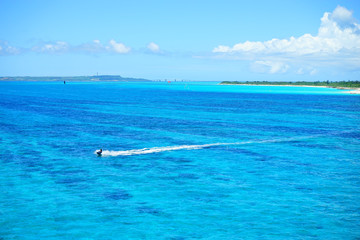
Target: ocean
<point x="181" y="160"/>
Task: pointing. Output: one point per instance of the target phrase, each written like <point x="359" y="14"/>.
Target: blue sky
<point x="190" y="40"/>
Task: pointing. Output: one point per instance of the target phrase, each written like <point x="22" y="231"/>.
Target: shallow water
<point x="188" y="161"/>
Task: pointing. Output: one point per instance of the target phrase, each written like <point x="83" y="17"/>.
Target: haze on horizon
<point x="191" y="40"/>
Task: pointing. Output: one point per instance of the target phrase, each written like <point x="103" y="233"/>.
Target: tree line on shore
<point x="340" y="84"/>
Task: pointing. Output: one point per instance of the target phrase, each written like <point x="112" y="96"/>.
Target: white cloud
<point x="6" y="49"/>
<point x="269" y="67"/>
<point x="342" y="17"/>
<point x="93" y="47"/>
<point x="313" y="72"/>
<point x="118" y="47"/>
<point x="306" y="70"/>
<point x="338" y="37"/>
<point x="153" y="47"/>
<point x="56" y="47"/>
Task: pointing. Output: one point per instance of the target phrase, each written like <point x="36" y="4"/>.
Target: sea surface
<point x="181" y="160"/>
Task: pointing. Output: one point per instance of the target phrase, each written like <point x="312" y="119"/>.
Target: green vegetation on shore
<point x="341" y="84"/>
<point x="77" y="78"/>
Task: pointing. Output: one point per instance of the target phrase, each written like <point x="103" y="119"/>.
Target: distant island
<point x="108" y="78"/>
<point x="339" y="85"/>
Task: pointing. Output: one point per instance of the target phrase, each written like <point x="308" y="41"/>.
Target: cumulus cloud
<point x="153" y="47"/>
<point x="56" y="47"/>
<point x="93" y="47"/>
<point x="342" y="17"/>
<point x="313" y="72"/>
<point x="96" y="47"/>
<point x="338" y="30"/>
<point x="338" y="37"/>
<point x="118" y="47"/>
<point x="6" y="49"/>
<point x="269" y="67"/>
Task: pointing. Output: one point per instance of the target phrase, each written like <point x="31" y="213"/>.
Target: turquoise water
<point x="181" y="161"/>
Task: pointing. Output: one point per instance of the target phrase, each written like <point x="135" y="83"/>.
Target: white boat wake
<point x="107" y="153"/>
<point x="110" y="153"/>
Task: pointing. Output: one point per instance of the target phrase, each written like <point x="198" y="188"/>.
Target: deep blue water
<point x="221" y="162"/>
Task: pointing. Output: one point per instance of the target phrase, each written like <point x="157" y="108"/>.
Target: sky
<point x="227" y="40"/>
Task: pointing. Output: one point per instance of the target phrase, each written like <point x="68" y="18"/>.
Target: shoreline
<point x="351" y="90"/>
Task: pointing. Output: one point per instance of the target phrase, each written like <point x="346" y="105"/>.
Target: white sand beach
<point x="353" y="91"/>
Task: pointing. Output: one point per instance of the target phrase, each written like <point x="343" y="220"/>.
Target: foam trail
<point x="109" y="153"/>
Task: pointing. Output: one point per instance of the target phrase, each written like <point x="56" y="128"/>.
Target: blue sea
<point x="185" y="160"/>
